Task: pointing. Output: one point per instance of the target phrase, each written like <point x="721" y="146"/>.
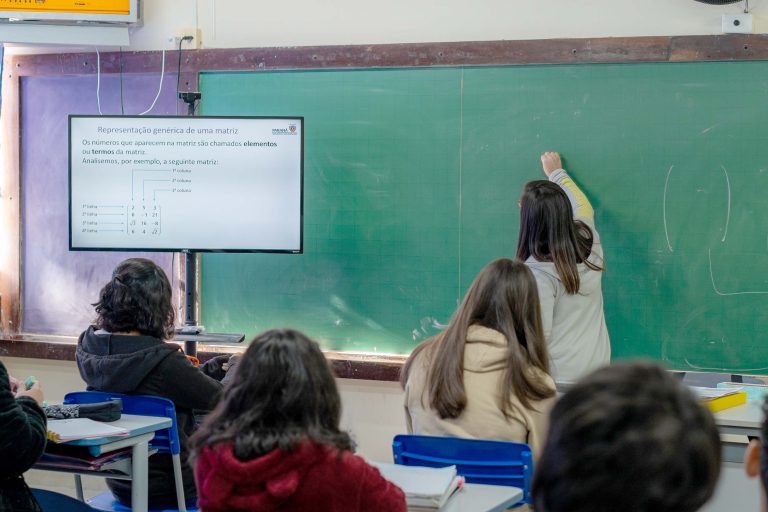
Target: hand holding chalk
<point x="551" y="162"/>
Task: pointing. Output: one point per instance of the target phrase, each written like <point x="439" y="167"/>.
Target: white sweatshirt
<point x="574" y="325"/>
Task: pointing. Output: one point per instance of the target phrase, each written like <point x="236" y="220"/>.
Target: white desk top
<point x="483" y="498"/>
<point x="749" y="415"/>
<point x="136" y="425"/>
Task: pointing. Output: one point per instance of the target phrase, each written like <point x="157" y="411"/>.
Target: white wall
<point x="240" y="23"/>
<point x="245" y="23"/>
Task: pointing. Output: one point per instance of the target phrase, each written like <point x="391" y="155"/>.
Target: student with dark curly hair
<point x="274" y="443"/>
<point x="629" y="437"/>
<point x="126" y="352"/>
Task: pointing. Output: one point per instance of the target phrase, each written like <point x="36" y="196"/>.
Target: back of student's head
<point x="503" y="297"/>
<point x="548" y="232"/>
<point x="137" y="298"/>
<point x="631" y="438"/>
<point x="282" y="395"/>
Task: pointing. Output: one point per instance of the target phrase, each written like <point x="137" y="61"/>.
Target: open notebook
<point x="61" y="431"/>
<point x="424" y="488"/>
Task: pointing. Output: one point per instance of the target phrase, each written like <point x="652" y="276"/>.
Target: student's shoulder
<point x="345" y="462"/>
<point x="543" y="271"/>
<point x="545" y="378"/>
<point x="370" y="478"/>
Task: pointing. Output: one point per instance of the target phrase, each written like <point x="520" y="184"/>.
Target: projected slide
<point x="175" y="183"/>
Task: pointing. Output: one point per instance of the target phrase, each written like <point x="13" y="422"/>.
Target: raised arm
<point x="553" y="168"/>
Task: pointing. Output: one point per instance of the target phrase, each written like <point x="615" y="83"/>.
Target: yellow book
<point x="726" y="402"/>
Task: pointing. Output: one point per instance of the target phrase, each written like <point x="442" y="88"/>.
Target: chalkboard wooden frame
<point x="13" y="342"/>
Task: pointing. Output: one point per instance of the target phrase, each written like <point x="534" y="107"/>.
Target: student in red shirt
<point x="274" y="443"/>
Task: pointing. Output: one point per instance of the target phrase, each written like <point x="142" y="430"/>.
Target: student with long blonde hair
<point x="486" y="375"/>
<point x="560" y="244"/>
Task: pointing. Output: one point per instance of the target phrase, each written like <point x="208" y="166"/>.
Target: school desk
<point x="483" y="498"/>
<point x="141" y="430"/>
<point x="743" y="420"/>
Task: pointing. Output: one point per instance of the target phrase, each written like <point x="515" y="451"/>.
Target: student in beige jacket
<point x="486" y="375"/>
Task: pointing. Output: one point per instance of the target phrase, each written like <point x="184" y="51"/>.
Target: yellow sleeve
<point x="581" y="206"/>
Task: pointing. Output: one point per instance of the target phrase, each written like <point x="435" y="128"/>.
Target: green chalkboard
<point x="411" y="182"/>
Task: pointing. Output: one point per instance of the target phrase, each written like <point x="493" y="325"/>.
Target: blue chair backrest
<point x="478" y="460"/>
<point x="51" y="501"/>
<point x="165" y="441"/>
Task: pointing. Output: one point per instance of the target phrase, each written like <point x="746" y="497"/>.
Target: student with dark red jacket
<point x="273" y="443"/>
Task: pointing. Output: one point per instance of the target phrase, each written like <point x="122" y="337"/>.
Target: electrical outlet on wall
<point x="175" y="39"/>
<point x="737" y="23"/>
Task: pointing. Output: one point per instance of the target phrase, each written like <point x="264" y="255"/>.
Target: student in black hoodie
<point x="22" y="441"/>
<point x="125" y="352"/>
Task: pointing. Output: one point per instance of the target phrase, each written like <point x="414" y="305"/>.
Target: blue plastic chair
<point x="165" y="440"/>
<point x="477" y="460"/>
<point x="106" y="501"/>
<point x="54" y="502"/>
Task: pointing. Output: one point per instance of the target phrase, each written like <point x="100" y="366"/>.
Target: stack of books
<point x="718" y="399"/>
<point x="425" y="489"/>
<point x="62" y="431"/>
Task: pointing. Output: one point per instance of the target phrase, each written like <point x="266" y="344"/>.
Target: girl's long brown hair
<point x="503" y="297"/>
<point x="548" y="232"/>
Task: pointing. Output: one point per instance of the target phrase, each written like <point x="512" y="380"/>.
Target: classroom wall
<point x="244" y="23"/>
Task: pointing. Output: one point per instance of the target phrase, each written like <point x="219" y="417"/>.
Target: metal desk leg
<point x="140" y="477"/>
<point x="79" y="488"/>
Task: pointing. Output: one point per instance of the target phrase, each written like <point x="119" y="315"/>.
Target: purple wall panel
<point x="58" y="286"/>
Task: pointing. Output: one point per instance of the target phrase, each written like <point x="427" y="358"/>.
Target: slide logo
<point x="291" y="130"/>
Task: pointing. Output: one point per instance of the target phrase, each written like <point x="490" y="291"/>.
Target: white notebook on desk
<point x="61" y="431"/>
<point x="424" y="488"/>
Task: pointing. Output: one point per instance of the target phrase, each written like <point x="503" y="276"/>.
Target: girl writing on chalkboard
<point x="485" y="376"/>
<point x="274" y="442"/>
<point x="560" y="244"/>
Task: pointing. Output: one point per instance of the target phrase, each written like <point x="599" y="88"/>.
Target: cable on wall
<point x="178" y="69"/>
<point x="160" y="87"/>
<point x="122" y="104"/>
<point x="98" y="80"/>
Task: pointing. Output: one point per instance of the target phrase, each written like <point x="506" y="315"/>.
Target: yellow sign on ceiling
<point x="73" y="6"/>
